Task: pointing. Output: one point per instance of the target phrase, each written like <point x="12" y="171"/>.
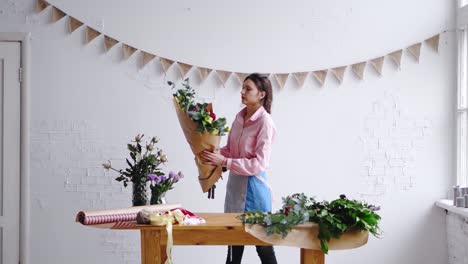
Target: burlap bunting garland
<point x="415" y="50"/>
<point x="281" y="78"/>
<point x="146" y="58"/>
<point x="338" y="72"/>
<point x="109" y="42"/>
<point x="128" y="51"/>
<point x="184" y="68"/>
<point x="223" y="76"/>
<point x="377" y="64"/>
<point x="73" y="24"/>
<point x="91" y="34"/>
<point x="396" y="57"/>
<point x="57" y="14"/>
<point x="204" y="72"/>
<point x="300" y="78"/>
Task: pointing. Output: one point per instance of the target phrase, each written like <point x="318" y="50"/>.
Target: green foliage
<point x="200" y="113"/>
<point x="333" y="218"/>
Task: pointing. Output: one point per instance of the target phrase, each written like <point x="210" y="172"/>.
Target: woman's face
<point x="250" y="94"/>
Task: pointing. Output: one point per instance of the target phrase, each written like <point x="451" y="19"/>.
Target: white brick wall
<point x="457" y="238"/>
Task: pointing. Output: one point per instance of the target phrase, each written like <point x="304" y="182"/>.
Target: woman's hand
<point x="213" y="158"/>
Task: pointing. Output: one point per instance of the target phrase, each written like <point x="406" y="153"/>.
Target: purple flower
<point x="172" y="175"/>
<point x="162" y="178"/>
<point x="181" y="175"/>
<point x="154" y="178"/>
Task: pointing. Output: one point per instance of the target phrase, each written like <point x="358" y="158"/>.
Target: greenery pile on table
<point x="333" y="218"/>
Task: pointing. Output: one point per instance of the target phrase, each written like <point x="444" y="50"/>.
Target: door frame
<point x="25" y="41"/>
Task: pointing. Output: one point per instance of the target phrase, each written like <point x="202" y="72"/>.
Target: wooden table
<point x="220" y="229"/>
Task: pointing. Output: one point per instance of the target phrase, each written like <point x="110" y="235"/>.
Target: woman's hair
<point x="263" y="84"/>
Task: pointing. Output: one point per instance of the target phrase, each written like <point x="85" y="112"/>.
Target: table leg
<point x="310" y="256"/>
<point x="152" y="252"/>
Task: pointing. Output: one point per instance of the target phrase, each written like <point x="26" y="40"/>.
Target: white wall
<point x="388" y="140"/>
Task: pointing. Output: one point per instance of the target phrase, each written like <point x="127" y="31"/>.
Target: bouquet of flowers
<point x="202" y="130"/>
<point x="144" y="161"/>
<point x="160" y="184"/>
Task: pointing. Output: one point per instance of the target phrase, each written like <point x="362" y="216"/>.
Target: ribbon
<point x="167" y="219"/>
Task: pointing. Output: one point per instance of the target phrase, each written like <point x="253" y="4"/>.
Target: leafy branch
<point x="333" y="219"/>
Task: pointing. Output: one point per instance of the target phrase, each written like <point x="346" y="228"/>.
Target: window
<point x="462" y="116"/>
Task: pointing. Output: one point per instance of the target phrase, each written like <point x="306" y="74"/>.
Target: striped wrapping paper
<point x="97" y="217"/>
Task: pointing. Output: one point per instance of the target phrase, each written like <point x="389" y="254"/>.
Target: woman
<point x="247" y="155"/>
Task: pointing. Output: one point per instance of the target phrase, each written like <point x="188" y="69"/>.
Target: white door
<point x="10" y="53"/>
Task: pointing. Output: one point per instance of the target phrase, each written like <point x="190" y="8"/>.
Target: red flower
<point x="213" y="116"/>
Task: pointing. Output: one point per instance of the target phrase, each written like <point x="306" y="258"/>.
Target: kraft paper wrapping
<point x="305" y="236"/>
<point x="111" y="216"/>
<point x="208" y="174"/>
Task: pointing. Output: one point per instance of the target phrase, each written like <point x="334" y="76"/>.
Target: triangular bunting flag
<point x="166" y="64"/>
<point x="128" y="51"/>
<point x="300" y="78"/>
<point x="91" y="34"/>
<point x="241" y="76"/>
<point x="358" y="69"/>
<point x="223" y="76"/>
<point x="396" y="57"/>
<point x="57" y="14"/>
<point x="281" y="78"/>
<point x="338" y="72"/>
<point x="73" y="24"/>
<point x="109" y="42"/>
<point x="146" y="58"/>
<point x="204" y="72"/>
<point x="377" y="64"/>
<point x="184" y="68"/>
<point x="41" y="5"/>
<point x="320" y="76"/>
<point x="415" y="50"/>
<point x="433" y="42"/>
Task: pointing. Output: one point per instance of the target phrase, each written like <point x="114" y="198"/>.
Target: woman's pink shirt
<point x="249" y="145"/>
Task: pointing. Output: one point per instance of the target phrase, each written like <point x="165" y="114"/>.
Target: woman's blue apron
<point x="247" y="193"/>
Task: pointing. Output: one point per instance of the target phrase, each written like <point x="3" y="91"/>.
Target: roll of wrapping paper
<point x="208" y="174"/>
<point x="95" y="217"/>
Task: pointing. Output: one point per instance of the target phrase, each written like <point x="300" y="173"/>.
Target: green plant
<point x="333" y="218"/>
<point x="200" y="113"/>
<point x="142" y="162"/>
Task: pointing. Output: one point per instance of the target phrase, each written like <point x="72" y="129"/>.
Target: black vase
<point x="139" y="194"/>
